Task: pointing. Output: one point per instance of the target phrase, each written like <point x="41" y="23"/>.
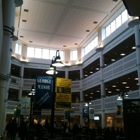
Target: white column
<point x="5" y="61"/>
<point x="21" y="82"/>
<point x="81" y="96"/>
<point x="103" y="120"/>
<point x="66" y="72"/>
<point x="1" y="27"/>
<point x="135" y="24"/>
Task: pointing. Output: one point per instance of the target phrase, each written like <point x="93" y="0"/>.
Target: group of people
<point x="13" y="129"/>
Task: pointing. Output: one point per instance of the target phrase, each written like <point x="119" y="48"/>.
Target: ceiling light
<point x="86" y="75"/>
<point x="91" y="97"/>
<point x="57" y="60"/>
<point x="64" y="46"/>
<point x="97" y="68"/>
<point x="87" y="30"/>
<point x="95" y="22"/>
<point x="97" y="91"/>
<point x="91" y="93"/>
<point x="91" y="71"/>
<point x="133" y="47"/>
<point x="21" y="36"/>
<point x="24" y="20"/>
<point x="26" y="10"/>
<point x="124" y="82"/>
<point x="30" y="41"/>
<point x="76" y="44"/>
<point x="122" y="54"/>
<point x="105" y="88"/>
<point x="117" y="89"/>
<point x="119" y="98"/>
<point x="109" y="92"/>
<point x="127" y="87"/>
<point x="114" y="86"/>
<point x="136" y="78"/>
<point x="86" y="95"/>
<point x="105" y="64"/>
<point x="112" y="59"/>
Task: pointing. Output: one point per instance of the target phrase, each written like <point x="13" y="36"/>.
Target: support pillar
<point x="102" y="86"/>
<point x="5" y="61"/>
<point x="81" y="97"/>
<point x="21" y="82"/>
<point x="135" y="24"/>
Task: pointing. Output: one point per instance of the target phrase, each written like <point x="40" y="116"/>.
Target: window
<point x="18" y="48"/>
<point x="113" y="26"/>
<point x="61" y="55"/>
<point x="30" y="52"/>
<point x="52" y="53"/>
<point x="73" y="55"/>
<point x="90" y="46"/>
<point x="107" y="30"/>
<point x="45" y="54"/>
<point x="118" y="21"/>
<point x="38" y="53"/>
<point x="124" y="16"/>
<point x="110" y="28"/>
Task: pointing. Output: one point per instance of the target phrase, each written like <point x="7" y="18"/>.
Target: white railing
<point x="14" y="81"/>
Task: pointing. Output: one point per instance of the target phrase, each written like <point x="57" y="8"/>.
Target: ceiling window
<point x="30" y="52"/>
<point x="116" y="23"/>
<point x="18" y="48"/>
<point x="62" y="55"/>
<point x="38" y="52"/>
<point x="90" y="46"/>
<point x="73" y="55"/>
<point x="45" y="53"/>
<point x="52" y="53"/>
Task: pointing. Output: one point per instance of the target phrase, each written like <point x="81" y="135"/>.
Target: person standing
<point x="13" y="129"/>
<point x="23" y="130"/>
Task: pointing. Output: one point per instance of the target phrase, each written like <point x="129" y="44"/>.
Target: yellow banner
<point x="63" y="82"/>
<point x="63" y="93"/>
<point x="60" y="97"/>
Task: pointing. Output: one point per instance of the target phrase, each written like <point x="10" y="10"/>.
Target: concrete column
<point x="81" y="96"/>
<point x="103" y="121"/>
<point x="66" y="72"/>
<point x="8" y="10"/>
<point x="135" y="24"/>
<point x="1" y="28"/>
<point x="21" y="82"/>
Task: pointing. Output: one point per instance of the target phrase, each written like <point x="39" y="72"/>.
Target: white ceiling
<point x="55" y="23"/>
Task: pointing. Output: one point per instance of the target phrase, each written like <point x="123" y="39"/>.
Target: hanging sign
<point x="85" y="112"/>
<point x="91" y="113"/>
<point x="25" y="106"/>
<point x="119" y="111"/>
<point x="63" y="93"/>
<point x="43" y="95"/>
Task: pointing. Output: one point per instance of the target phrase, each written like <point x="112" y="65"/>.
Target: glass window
<point x="45" y="54"/>
<point x="61" y="55"/>
<point x="30" y="52"/>
<point x="52" y="53"/>
<point x="38" y="52"/>
<point x="83" y="52"/>
<point x="96" y="42"/>
<point x="113" y="26"/>
<point x="73" y="55"/>
<point x="18" y="48"/>
<point x="118" y="21"/>
<point x="107" y="30"/>
<point x="124" y="16"/>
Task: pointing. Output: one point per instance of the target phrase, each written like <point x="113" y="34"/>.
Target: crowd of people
<point x="38" y="132"/>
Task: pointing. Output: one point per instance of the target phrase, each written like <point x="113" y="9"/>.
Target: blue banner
<point x="85" y="112"/>
<point x="44" y="89"/>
